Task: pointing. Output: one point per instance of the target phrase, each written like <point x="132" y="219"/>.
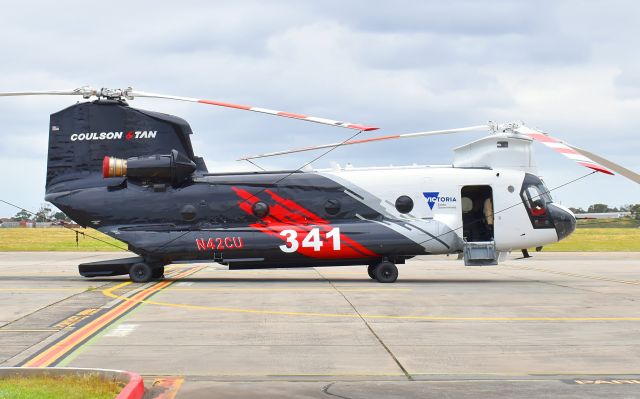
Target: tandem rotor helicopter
<point x="133" y="175"/>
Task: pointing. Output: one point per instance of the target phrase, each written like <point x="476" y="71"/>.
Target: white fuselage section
<point x="436" y="194"/>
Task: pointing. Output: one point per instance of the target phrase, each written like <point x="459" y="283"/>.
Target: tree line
<point x="604" y="208"/>
<point x="44" y="214"/>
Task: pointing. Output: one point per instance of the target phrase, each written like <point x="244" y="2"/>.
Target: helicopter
<point x="133" y="175"/>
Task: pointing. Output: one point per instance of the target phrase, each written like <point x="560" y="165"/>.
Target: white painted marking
<point x="183" y="284"/>
<point x="122" y="330"/>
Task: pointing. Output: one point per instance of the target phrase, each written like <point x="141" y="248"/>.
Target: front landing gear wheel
<point x="386" y="272"/>
<point x="158" y="272"/>
<point x="371" y="270"/>
<point x="140" y="273"/>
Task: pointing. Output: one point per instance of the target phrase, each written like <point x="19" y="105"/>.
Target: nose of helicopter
<point x="563" y="220"/>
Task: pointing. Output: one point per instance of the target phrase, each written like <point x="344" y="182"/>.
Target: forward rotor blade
<point x="621" y="170"/>
<point x="582" y="158"/>
<point x="369" y="140"/>
<point x="134" y="93"/>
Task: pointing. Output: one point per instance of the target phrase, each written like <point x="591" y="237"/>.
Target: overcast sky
<point x="571" y="68"/>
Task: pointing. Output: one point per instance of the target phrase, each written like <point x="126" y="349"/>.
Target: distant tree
<point x="577" y="210"/>
<point x="625" y="208"/>
<point x="598" y="208"/>
<point x="44" y="214"/>
<point x="61" y="216"/>
<point x="635" y="211"/>
<point x="22" y="215"/>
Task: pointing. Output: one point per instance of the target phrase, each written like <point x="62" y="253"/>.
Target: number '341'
<point x="311" y="240"/>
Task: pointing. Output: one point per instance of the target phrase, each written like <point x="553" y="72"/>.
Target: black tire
<point x="140" y="273"/>
<point x="386" y="272"/>
<point x="157" y="272"/>
<point x="371" y="270"/>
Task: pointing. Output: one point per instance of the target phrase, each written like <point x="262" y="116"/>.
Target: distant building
<point x="605" y="215"/>
<point x="8" y="223"/>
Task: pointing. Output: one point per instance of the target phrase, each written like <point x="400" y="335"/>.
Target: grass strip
<point x="54" y="239"/>
<point x="56" y="387"/>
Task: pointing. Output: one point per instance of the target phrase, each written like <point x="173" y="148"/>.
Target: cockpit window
<point x="536" y="197"/>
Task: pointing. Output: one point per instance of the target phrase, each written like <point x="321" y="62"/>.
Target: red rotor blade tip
<point x="363" y="127"/>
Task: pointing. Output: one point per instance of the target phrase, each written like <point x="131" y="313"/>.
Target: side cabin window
<point x="535" y="197"/>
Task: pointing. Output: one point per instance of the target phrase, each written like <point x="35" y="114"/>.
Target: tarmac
<point x="563" y="325"/>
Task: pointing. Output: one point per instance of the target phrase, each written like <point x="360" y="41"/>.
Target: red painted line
<point x="134" y="389"/>
<point x="70" y="342"/>
<point x="171" y="385"/>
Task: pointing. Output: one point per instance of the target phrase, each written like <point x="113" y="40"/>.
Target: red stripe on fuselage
<point x="286" y="214"/>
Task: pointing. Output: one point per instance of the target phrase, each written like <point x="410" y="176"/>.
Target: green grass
<point x="599" y="239"/>
<point x="58" y="387"/>
<point x="54" y="239"/>
<point x="609" y="223"/>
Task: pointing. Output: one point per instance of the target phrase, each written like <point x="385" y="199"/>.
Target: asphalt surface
<point x="556" y="325"/>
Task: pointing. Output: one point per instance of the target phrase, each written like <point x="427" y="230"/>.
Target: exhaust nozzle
<point x="174" y="168"/>
<point x="114" y="167"/>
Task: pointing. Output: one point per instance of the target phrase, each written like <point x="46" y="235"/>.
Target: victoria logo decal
<point x="434" y="197"/>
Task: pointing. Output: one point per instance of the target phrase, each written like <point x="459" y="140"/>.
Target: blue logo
<point x="443" y="202"/>
<point x="432" y="198"/>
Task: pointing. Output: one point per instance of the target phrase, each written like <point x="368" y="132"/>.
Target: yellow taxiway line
<point x="109" y="293"/>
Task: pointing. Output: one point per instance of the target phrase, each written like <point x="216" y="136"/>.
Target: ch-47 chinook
<point x="132" y="174"/>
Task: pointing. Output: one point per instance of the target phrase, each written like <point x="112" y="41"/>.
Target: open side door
<point x="477" y="226"/>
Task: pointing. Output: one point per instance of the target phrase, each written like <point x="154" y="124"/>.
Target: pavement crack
<point x="325" y="390"/>
<point x="366" y="323"/>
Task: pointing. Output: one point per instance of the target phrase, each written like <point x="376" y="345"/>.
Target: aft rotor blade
<point x="369" y="140"/>
<point x="582" y="158"/>
<point x="82" y="91"/>
<point x="331" y="122"/>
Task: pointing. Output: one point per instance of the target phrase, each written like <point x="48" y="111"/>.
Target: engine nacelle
<point x="173" y="168"/>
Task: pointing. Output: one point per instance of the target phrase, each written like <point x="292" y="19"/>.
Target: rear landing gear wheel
<point x="158" y="272"/>
<point x="140" y="273"/>
<point x="386" y="272"/>
<point x="371" y="270"/>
